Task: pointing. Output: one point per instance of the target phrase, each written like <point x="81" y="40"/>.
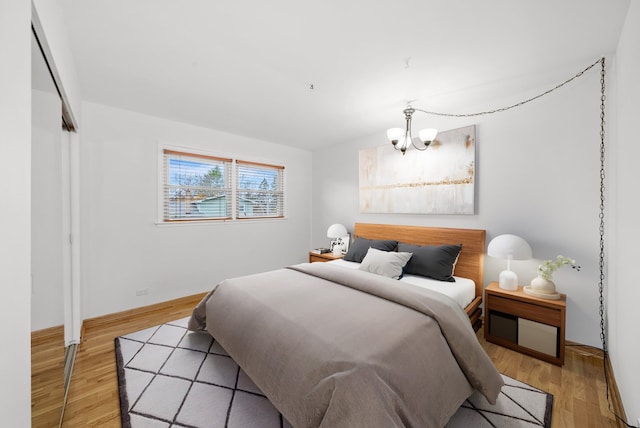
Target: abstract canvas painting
<point x="439" y="180"/>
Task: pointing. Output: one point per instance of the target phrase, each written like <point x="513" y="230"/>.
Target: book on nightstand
<point x="320" y="250"/>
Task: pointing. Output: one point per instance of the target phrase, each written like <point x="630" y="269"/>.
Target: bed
<point x="336" y="347"/>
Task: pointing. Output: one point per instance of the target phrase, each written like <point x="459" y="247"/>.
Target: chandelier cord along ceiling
<point x="601" y="227"/>
<point x="402" y="139"/>
<point x="498" y="110"/>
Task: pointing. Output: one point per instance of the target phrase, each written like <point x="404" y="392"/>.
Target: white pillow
<point x="385" y="263"/>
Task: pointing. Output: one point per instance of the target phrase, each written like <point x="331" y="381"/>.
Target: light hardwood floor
<point x="578" y="386"/>
<point x="47" y="376"/>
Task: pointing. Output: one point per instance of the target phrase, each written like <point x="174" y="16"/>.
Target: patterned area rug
<point x="171" y="377"/>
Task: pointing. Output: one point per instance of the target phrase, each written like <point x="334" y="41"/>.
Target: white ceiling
<point x="247" y="66"/>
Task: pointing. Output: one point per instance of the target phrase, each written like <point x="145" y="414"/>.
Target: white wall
<point x="537" y="177"/>
<point x="123" y="248"/>
<point x="15" y="215"/>
<point x="623" y="290"/>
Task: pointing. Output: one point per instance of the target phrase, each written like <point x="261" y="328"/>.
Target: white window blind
<point x="260" y="190"/>
<point x="196" y="187"/>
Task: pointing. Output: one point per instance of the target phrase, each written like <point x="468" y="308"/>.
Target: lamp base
<point x="508" y="280"/>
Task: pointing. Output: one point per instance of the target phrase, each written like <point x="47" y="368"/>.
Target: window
<point x="260" y="190"/>
<point x="201" y="187"/>
<point x="196" y="187"/>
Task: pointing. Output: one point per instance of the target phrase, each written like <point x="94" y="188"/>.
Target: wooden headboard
<point x="470" y="263"/>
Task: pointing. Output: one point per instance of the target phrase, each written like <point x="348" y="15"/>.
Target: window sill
<point x="191" y="223"/>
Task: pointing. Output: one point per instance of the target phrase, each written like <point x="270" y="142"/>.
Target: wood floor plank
<point x="578" y="387"/>
<point x="47" y="376"/>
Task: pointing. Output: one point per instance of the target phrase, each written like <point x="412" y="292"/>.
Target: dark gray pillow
<point x="432" y="261"/>
<point x="358" y="249"/>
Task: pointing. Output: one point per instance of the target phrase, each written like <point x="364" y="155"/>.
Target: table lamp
<point x="336" y="232"/>
<point x="510" y="247"/>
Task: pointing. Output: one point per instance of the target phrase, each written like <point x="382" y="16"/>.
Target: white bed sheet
<point x="463" y="291"/>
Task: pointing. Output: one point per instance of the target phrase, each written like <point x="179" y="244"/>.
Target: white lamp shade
<point x="428" y="134"/>
<point x="509" y="247"/>
<point x="395" y="134"/>
<point x="337" y="231"/>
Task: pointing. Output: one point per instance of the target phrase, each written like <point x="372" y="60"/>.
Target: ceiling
<point x="312" y="74"/>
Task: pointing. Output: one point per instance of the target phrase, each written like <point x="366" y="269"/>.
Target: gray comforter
<point x="335" y="347"/>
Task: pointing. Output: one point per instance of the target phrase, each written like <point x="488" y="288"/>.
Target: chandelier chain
<point x="527" y="100"/>
<point x="601" y="214"/>
<point x="603" y="327"/>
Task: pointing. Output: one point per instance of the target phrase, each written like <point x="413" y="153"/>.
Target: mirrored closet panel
<point x="50" y="245"/>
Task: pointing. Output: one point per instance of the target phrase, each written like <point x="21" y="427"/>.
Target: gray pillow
<point x="433" y="261"/>
<point x="385" y="263"/>
<point x="358" y="249"/>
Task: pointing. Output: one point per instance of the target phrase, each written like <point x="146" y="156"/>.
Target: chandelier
<point x="402" y="138"/>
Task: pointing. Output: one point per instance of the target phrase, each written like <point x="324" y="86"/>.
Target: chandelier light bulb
<point x="395" y="134"/>
<point x="427" y="135"/>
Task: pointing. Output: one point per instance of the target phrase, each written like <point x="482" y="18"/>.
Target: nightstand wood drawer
<point x="525" y="310"/>
<point x="324" y="257"/>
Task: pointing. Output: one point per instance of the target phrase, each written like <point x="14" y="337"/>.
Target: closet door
<point x="50" y="261"/>
<point x="47" y="196"/>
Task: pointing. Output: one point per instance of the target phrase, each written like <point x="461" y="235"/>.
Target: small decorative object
<point x="542" y="286"/>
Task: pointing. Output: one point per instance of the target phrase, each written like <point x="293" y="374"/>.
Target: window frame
<point x="235" y="160"/>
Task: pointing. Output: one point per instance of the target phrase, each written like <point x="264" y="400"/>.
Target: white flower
<point x="546" y="269"/>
